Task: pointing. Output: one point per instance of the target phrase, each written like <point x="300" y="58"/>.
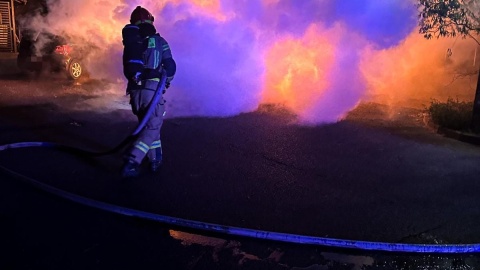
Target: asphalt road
<point x="378" y="175"/>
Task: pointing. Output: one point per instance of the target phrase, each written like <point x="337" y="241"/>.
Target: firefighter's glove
<point x="167" y="82"/>
<point x="137" y="78"/>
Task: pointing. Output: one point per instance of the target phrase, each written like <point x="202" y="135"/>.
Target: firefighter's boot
<point x="130" y="169"/>
<point x="156" y="163"/>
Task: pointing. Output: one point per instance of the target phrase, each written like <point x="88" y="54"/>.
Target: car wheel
<point x="75" y="69"/>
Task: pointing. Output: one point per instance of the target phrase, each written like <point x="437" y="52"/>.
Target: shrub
<point x="453" y="114"/>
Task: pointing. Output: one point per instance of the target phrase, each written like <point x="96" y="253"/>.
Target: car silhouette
<point x="46" y="52"/>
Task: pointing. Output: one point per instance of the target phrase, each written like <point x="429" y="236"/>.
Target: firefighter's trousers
<point x="148" y="141"/>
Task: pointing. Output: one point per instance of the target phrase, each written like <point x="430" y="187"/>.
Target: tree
<point x="452" y="18"/>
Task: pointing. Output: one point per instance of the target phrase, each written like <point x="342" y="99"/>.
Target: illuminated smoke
<point x="418" y="70"/>
<point x="319" y="58"/>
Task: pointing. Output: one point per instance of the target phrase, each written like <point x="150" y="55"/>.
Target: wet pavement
<point x="378" y="175"/>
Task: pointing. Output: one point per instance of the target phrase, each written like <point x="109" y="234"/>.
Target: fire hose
<point x="151" y="107"/>
<point x="216" y="228"/>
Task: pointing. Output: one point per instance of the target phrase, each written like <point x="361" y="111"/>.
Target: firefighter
<point x="147" y="48"/>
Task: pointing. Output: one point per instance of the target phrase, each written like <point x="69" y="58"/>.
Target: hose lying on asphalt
<point x="251" y="233"/>
<point x="83" y="152"/>
<point x="210" y="227"/>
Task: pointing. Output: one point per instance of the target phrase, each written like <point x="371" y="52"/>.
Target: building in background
<point x="8" y="32"/>
<point x="9" y="38"/>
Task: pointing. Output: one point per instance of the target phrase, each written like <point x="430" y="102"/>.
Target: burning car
<point x="42" y="51"/>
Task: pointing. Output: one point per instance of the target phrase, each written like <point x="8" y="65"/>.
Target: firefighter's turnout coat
<point x="155" y="55"/>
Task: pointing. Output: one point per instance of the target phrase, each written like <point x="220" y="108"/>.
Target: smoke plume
<point x="319" y="58"/>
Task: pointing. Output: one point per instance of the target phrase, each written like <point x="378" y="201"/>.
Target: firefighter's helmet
<point x="141" y="15"/>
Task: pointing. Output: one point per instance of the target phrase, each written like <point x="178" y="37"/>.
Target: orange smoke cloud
<point x="296" y="70"/>
<point x="418" y="70"/>
<point x="212" y="5"/>
<point x="210" y="8"/>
